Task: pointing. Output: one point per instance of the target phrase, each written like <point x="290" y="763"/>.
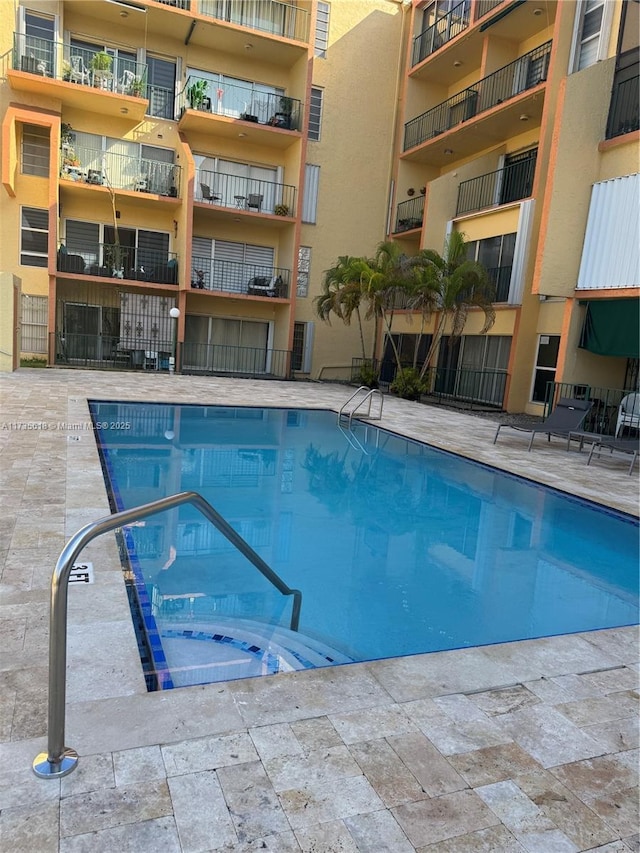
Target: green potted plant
<point x="137" y="87"/>
<point x="408" y="384"/>
<point x="66" y="70"/>
<point x="196" y="94"/>
<point x="101" y="61"/>
<point x="281" y="210"/>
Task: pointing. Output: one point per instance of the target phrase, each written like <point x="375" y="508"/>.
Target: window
<point x="304" y="263"/>
<point x="322" y="29"/>
<point x="33" y="324"/>
<point x="496" y="255"/>
<point x="37" y="45"/>
<point x="545" y="369"/>
<point x="310" y="193"/>
<point x="315" y="113"/>
<point x="302" y="347"/>
<point x="35" y="150"/>
<point x="34" y="237"/>
<point x="161" y="84"/>
<point x="592" y="29"/>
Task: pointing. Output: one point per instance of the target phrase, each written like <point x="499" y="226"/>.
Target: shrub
<point x="408" y="384"/>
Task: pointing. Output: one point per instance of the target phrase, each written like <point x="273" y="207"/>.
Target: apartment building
<point x="216" y="156"/>
<point x="520" y="130"/>
<point x="177" y="175"/>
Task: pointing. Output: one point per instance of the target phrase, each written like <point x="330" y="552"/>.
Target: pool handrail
<point x="369" y="395"/>
<point x="60" y="760"/>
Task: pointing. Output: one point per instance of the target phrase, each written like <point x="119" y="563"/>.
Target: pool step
<point x="200" y="652"/>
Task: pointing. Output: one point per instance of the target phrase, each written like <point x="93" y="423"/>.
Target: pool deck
<point x="529" y="746"/>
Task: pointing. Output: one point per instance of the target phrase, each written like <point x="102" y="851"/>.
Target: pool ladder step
<point x="359" y="404"/>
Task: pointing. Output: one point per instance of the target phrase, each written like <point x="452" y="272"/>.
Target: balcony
<point x="266" y="16"/>
<point x="247" y="279"/>
<point x="200" y="106"/>
<point x="502" y="87"/>
<point x="90" y="80"/>
<point x="118" y="262"/>
<point x="483" y="7"/>
<point x="248" y="194"/>
<point x="119" y="171"/>
<point x="625" y="96"/>
<point x="409" y="214"/>
<point x="442" y="31"/>
<point x="512" y="183"/>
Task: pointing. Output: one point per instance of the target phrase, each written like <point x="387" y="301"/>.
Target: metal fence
<point x="73" y="349"/>
<point x="442" y="31"/>
<point x="269" y="16"/>
<point x="254" y="362"/>
<point x="225" y="190"/>
<point x="603" y="417"/>
<point x="119" y="171"/>
<point x="243" y="102"/>
<point x="232" y="277"/>
<point x="409" y="214"/>
<point x="109" y="260"/>
<point x="516" y="77"/>
<point x="624" y="112"/>
<point x="511" y="183"/>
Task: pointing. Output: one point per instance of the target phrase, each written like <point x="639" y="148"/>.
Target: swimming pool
<point x="398" y="548"/>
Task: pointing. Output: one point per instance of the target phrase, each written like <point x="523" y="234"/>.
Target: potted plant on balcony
<point x="281" y="210"/>
<point x="196" y="94"/>
<point x="100" y="66"/>
<point x="137" y="87"/>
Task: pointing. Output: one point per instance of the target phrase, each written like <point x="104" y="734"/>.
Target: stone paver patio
<point x="529" y="746"/>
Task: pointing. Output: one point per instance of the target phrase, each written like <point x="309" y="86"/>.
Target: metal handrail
<point x="371" y="392"/>
<point x="60" y="760"/>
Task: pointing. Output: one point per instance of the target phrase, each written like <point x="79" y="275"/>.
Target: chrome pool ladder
<point x="361" y="401"/>
<point x="60" y="759"/>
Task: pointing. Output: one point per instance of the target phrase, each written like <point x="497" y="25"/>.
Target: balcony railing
<point x="224" y="190"/>
<point x="242" y="102"/>
<point x="409" y="214"/>
<point x="119" y="171"/>
<point x="233" y="277"/>
<point x="512" y="183"/>
<point x="211" y="359"/>
<point x="118" y="261"/>
<point x="483" y="7"/>
<point x="106" y="351"/>
<point x="267" y="16"/>
<point x="442" y="31"/>
<point x="602" y="417"/>
<point x="624" y="110"/>
<point x="501" y="278"/>
<point x="82" y="66"/>
<point x="516" y="77"/>
<point x="178" y="4"/>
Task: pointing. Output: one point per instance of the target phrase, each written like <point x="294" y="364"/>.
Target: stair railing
<point x="59" y="760"/>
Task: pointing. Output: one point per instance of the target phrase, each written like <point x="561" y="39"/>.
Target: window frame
<point x="44" y="133"/>
<point x="537" y="367"/>
<point x="321" y="37"/>
<point x="314" y="122"/>
<point x="23" y="229"/>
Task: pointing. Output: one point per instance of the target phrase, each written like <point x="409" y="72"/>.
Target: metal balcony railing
<point x="82" y="66"/>
<point x="242" y="102"/>
<point x="119" y="171"/>
<point x="268" y="16"/>
<point x="624" y="110"/>
<point x="161" y="102"/>
<point x="483" y="7"/>
<point x="178" y="4"/>
<point x="254" y="362"/>
<point x="224" y="190"/>
<point x="117" y="261"/>
<point x="442" y="31"/>
<point x="516" y="77"/>
<point x="233" y="277"/>
<point x="512" y="183"/>
<point x="409" y="214"/>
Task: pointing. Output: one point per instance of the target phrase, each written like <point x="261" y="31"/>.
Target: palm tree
<point x="449" y="285"/>
<point x="341" y="294"/>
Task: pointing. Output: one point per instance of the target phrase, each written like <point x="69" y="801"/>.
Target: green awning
<point x="612" y="327"/>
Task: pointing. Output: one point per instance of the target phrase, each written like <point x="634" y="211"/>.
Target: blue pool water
<point x="397" y="547"/>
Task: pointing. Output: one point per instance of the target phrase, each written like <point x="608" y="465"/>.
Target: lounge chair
<point x="567" y="417"/>
<point x="616" y="445"/>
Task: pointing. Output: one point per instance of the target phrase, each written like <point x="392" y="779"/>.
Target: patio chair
<point x="567" y="417"/>
<point x="254" y="201"/>
<point x="207" y="195"/>
<point x="79" y="72"/>
<point x="629" y="413"/>
<point x="616" y="445"/>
